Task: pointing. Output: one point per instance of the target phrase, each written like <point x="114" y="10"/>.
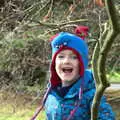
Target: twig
<point x="56" y="25"/>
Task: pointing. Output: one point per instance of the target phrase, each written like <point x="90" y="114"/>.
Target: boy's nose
<point x="66" y="60"/>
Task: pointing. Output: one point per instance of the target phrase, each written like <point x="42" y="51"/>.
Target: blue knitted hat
<point x="65" y="40"/>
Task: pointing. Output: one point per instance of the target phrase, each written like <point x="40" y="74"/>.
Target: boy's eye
<point x="63" y="56"/>
<point x="74" y="57"/>
<point x="60" y="56"/>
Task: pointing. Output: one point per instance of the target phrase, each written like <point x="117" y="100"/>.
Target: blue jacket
<point x="72" y="107"/>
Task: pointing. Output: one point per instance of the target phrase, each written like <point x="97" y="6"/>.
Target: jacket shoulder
<point x="89" y="82"/>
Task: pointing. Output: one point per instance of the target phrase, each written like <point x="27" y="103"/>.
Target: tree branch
<point x="55" y="25"/>
<point x="101" y="81"/>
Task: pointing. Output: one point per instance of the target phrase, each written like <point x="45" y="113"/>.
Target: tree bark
<point x="100" y="56"/>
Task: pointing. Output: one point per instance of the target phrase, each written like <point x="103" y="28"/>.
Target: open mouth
<point x="67" y="70"/>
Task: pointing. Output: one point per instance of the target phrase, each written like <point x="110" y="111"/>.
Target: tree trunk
<point x="100" y="56"/>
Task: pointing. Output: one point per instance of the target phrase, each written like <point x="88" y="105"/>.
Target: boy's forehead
<point x="66" y="52"/>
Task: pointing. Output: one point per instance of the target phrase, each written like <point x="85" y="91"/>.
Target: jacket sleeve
<point x="105" y="111"/>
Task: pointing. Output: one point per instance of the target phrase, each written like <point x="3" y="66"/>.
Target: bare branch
<point x="107" y="43"/>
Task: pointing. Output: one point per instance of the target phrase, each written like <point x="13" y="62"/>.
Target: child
<point x="72" y="87"/>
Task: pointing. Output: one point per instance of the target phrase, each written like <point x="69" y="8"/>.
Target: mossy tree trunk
<point x="100" y="55"/>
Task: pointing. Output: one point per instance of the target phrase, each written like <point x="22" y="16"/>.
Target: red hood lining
<point x="54" y="79"/>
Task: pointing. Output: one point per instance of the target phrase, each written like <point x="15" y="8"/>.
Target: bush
<point x="28" y="63"/>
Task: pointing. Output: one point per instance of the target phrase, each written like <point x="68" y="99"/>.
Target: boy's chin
<point x="69" y="80"/>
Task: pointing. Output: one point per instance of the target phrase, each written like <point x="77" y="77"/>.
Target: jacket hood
<point x="65" y="40"/>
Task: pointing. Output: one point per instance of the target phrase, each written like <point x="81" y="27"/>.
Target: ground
<point x="21" y="106"/>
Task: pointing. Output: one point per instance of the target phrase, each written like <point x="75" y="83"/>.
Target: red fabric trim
<point x="54" y="36"/>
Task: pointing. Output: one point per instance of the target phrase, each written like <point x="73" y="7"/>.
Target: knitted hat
<point x="65" y="40"/>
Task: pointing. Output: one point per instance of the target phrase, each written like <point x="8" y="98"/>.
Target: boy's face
<point x="67" y="67"/>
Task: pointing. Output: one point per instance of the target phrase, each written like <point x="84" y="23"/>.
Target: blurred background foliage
<point x="27" y="25"/>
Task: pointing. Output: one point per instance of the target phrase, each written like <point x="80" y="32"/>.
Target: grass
<point x="114" y="77"/>
<point x="7" y="113"/>
<point x="17" y="107"/>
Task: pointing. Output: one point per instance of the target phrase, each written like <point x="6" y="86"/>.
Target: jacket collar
<point x="74" y="90"/>
<point x="84" y="84"/>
